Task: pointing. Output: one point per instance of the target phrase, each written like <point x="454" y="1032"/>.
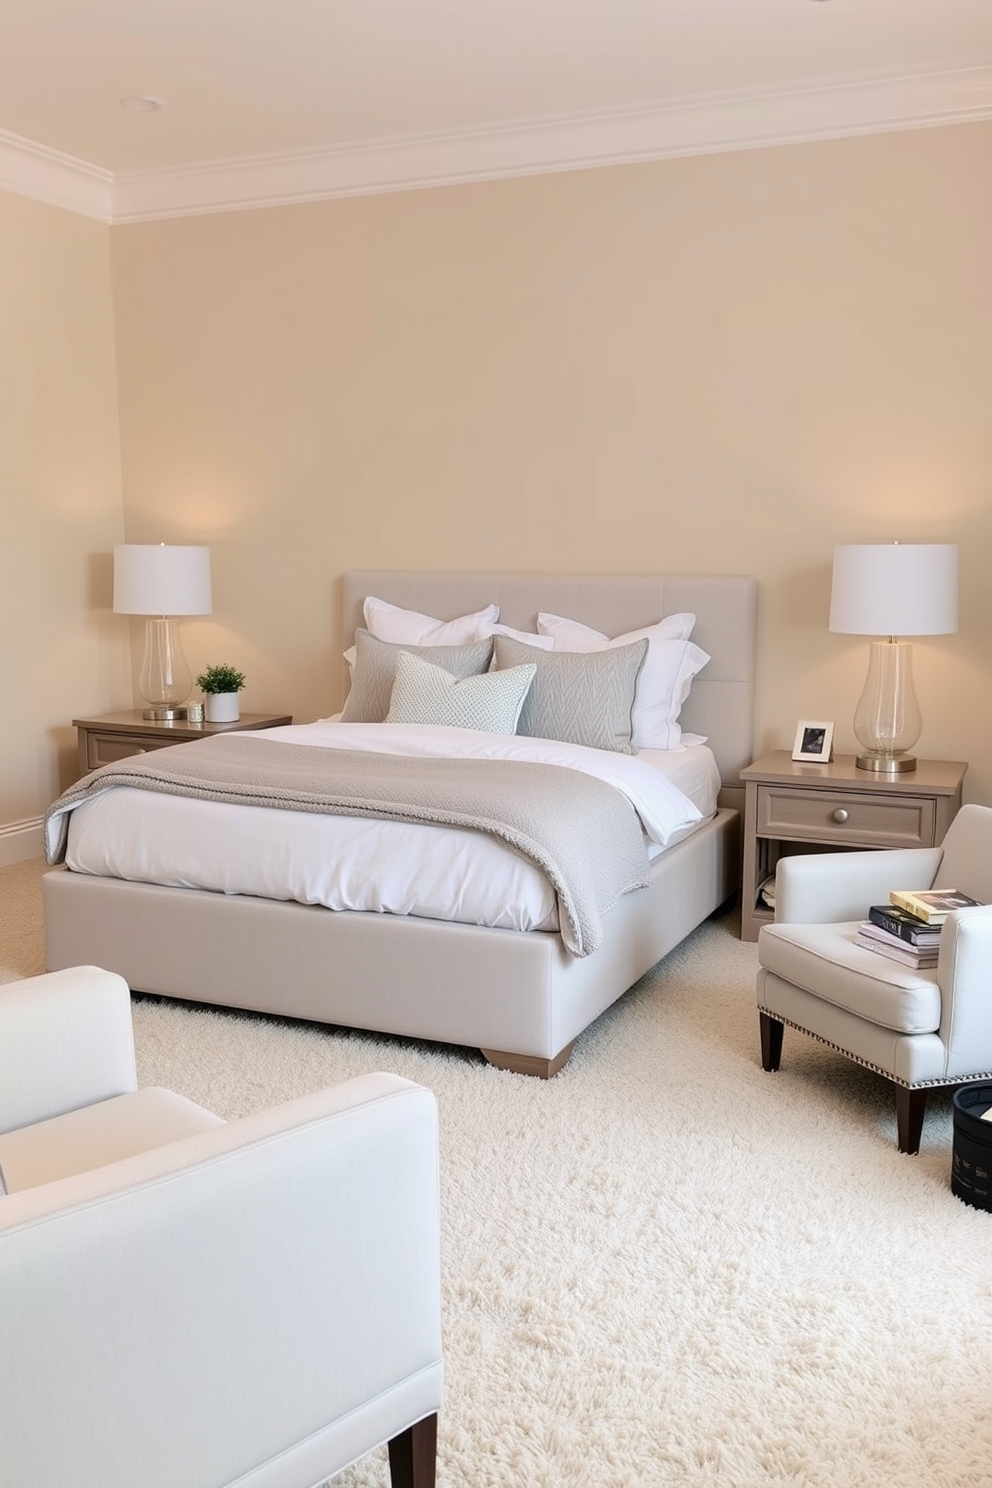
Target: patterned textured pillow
<point x="664" y="680"/>
<point x="423" y="693"/>
<point x="375" y="669"/>
<point x="579" y="698"/>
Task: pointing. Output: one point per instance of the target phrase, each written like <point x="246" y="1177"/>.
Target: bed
<point x="518" y="995"/>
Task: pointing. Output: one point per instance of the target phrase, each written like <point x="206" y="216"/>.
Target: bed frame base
<point x="519" y="997"/>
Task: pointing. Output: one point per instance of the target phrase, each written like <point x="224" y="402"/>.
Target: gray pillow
<point x="424" y="693"/>
<point x="375" y="669"/>
<point x="579" y="697"/>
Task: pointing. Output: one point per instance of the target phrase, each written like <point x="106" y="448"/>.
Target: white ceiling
<point x="288" y="100"/>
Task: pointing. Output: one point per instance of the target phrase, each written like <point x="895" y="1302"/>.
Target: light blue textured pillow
<point x="424" y="693"/>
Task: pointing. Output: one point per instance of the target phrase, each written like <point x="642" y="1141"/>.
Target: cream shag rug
<point x="664" y="1266"/>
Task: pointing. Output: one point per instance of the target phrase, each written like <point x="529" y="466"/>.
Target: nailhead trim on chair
<point x="867" y="1064"/>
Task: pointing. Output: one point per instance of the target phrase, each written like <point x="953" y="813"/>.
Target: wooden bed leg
<point x="529" y="1064"/>
<point x="413" y="1455"/>
<point x="911" y="1106"/>
<point x="771" y="1041"/>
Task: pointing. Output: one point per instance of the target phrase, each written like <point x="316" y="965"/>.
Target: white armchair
<point x="190" y="1303"/>
<point x="920" y="1029"/>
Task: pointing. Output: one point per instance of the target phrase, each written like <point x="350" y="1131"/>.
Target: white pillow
<point x="664" y="680"/>
<point x="424" y="693"/>
<point x="528" y="637"/>
<point x="572" y="635"/>
<point x="409" y="628"/>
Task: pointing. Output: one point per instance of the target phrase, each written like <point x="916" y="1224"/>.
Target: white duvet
<point x="379" y="866"/>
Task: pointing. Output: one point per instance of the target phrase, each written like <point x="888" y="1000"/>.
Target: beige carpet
<point x="664" y="1266"/>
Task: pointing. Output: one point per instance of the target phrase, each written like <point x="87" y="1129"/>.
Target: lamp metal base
<point x="886" y="764"/>
<point x="164" y="714"/>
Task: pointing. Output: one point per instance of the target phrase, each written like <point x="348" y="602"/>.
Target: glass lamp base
<point x="887" y="721"/>
<point x="886" y="764"/>
<point x="164" y="681"/>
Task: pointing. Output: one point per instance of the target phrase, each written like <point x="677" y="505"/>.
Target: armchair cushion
<point x="827" y="961"/>
<point x="123" y="1126"/>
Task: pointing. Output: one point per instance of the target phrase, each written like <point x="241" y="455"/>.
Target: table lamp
<point x="162" y="582"/>
<point x="892" y="589"/>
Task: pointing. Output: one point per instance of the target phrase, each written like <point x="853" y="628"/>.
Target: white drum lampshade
<point x="892" y="590"/>
<point x="162" y="581"/>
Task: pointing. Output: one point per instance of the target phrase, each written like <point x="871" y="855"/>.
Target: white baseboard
<point x="20" y="840"/>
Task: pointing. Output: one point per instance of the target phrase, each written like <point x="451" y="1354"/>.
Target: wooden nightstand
<point x="115" y="736"/>
<point x="792" y="807"/>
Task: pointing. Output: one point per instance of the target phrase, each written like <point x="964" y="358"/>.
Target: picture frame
<point x="814" y="742"/>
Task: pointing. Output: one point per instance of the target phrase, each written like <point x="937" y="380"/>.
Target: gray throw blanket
<point x="582" y="833"/>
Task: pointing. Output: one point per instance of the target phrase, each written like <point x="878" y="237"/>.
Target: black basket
<point x="971" y="1175"/>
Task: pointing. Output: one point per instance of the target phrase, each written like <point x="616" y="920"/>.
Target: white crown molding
<point x="45" y="175"/>
<point x="692" y="127"/>
<point x="702" y="126"/>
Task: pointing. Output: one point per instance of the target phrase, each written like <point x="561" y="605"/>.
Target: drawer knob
<point x="840" y="815"/>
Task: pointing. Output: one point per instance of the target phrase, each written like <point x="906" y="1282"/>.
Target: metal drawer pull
<point x="840" y="815"/>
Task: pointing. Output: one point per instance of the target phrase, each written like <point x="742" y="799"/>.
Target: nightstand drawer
<point x="107" y="749"/>
<point x="845" y="818"/>
<point x="117" y="736"/>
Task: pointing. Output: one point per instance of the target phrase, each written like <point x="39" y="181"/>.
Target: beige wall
<point x="726" y="363"/>
<point x="60" y="501"/>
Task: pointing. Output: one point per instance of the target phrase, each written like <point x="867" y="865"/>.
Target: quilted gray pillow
<point x="579" y="697"/>
<point x="424" y="693"/>
<point x="375" y="670"/>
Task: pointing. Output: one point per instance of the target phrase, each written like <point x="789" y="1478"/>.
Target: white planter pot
<point x="222" y="707"/>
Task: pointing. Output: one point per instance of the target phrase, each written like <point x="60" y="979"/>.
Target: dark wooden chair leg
<point x="771" y="1041"/>
<point x="911" y="1108"/>
<point x="413" y="1455"/>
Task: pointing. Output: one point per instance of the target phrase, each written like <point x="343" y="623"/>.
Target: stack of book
<point x="908" y="928"/>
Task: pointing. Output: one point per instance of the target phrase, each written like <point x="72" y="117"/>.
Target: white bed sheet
<point x="369" y="865"/>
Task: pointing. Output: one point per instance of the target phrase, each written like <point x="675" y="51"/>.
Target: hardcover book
<point x="932" y="905"/>
<point x="896" y="950"/>
<point x="903" y="925"/>
<point x="869" y="931"/>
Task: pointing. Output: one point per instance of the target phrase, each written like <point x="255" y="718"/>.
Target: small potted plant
<point x="220" y="686"/>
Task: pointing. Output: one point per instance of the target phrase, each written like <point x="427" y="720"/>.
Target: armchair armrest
<point x="65" y="1041"/>
<point x="964" y="975"/>
<point x="259" y="1303"/>
<point x="826" y="888"/>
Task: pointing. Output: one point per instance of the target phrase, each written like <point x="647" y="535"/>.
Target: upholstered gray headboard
<point x="721" y="703"/>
